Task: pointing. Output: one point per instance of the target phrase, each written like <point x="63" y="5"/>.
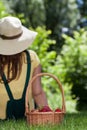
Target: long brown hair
<point x="12" y="64"/>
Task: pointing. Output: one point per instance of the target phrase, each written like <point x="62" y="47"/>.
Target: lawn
<point x="74" y="121"/>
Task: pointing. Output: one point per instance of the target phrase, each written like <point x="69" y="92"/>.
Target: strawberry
<point x="45" y="109"/>
<point x="58" y="110"/>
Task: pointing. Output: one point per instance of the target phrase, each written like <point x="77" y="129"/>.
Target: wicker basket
<point x="42" y="118"/>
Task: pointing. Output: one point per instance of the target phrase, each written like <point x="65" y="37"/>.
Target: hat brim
<point x="14" y="46"/>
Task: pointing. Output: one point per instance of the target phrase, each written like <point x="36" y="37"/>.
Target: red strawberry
<point x="45" y="109"/>
<point x="58" y="110"/>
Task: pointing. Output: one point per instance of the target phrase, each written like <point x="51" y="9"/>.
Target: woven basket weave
<point x="42" y="118"/>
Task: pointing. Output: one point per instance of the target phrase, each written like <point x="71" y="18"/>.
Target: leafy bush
<point x="50" y="64"/>
<point x="73" y="64"/>
<point x="41" y="46"/>
<point x="3" y="11"/>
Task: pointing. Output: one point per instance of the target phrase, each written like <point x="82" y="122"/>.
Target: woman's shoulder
<point x="33" y="55"/>
<point x="32" y="52"/>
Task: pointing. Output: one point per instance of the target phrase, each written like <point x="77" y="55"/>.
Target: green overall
<point x="16" y="107"/>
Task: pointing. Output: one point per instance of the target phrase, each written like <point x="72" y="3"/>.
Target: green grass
<point x="77" y="121"/>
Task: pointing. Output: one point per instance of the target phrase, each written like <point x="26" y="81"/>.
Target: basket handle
<point x="58" y="82"/>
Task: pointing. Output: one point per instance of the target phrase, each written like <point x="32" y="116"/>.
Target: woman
<point x="17" y="67"/>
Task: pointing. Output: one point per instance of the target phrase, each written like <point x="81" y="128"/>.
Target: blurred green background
<point x="61" y="45"/>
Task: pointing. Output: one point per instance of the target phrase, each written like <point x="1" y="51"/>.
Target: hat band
<point x="10" y="38"/>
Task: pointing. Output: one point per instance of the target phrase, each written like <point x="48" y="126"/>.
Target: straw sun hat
<point x="14" y="37"/>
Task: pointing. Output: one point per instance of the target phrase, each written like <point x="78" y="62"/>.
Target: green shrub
<point x="3" y="11"/>
<point x="73" y="64"/>
<point x="50" y="64"/>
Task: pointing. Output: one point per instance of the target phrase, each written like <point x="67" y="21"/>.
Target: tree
<point x="60" y="14"/>
<point x="30" y="10"/>
<point x="82" y="4"/>
<point x="54" y="14"/>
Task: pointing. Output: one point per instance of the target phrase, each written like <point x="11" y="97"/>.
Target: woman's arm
<point x="37" y="91"/>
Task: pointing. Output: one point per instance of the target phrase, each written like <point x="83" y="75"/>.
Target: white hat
<point x="14" y="37"/>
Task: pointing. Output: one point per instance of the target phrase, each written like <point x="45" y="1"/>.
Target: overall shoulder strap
<point x="7" y="86"/>
<point x="28" y="72"/>
<point x="27" y="78"/>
